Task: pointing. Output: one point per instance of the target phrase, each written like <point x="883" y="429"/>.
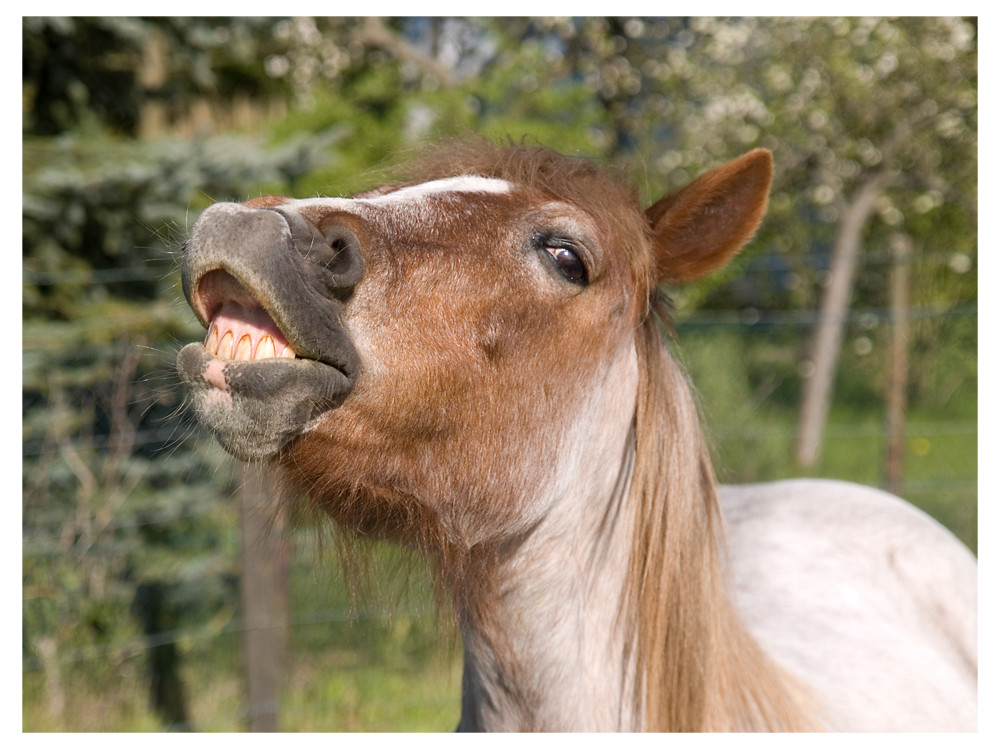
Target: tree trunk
<point x="166" y="687"/>
<point x="55" y="693"/>
<point x="153" y="116"/>
<point x="899" y="290"/>
<point x="834" y="306"/>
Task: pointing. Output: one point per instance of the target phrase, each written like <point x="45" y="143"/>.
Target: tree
<point x="119" y="514"/>
<point x="872" y="123"/>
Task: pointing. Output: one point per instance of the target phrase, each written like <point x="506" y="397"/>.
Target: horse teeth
<point x="244" y="348"/>
<point x="245" y="341"/>
<point x="265" y="349"/>
<point x="226" y="345"/>
<point x="212" y="341"/>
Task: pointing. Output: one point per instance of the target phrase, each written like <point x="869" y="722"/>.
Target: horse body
<point x="859" y="596"/>
<point x="862" y="597"/>
<point x="470" y="362"/>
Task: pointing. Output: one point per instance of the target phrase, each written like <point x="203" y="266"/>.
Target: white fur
<point x="415" y="193"/>
<point x="463" y="184"/>
<point x="563" y="586"/>
<point x="866" y="599"/>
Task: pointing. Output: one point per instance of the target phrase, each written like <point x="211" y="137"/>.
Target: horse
<point x="470" y="360"/>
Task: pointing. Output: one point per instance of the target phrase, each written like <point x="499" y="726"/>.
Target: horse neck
<point x="610" y="612"/>
<point x="542" y="632"/>
<point x="544" y="650"/>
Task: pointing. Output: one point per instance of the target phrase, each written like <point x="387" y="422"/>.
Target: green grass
<point x="749" y="395"/>
<point x="380" y="660"/>
<point x="386" y="664"/>
<point x="115" y="704"/>
<point x="325" y="695"/>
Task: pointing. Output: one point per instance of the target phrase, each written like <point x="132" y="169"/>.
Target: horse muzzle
<point x="270" y="288"/>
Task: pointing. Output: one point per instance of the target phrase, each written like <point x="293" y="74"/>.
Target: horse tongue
<point x="238" y="332"/>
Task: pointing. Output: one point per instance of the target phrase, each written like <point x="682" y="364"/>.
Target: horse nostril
<point x="336" y="249"/>
<point x="347" y="263"/>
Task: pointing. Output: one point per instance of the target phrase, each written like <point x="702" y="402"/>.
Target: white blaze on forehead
<point x="469" y="184"/>
<point x="462" y="184"/>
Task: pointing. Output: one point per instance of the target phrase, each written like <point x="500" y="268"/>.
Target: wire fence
<point x="158" y="270"/>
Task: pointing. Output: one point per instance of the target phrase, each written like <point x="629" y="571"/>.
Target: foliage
<point x="118" y="497"/>
<point x="131" y="126"/>
<point x="94" y="73"/>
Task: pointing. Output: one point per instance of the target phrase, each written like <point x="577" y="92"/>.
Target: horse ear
<point x="700" y="228"/>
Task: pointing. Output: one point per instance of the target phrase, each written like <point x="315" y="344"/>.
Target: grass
<point x="385" y="663"/>
<point x="326" y="696"/>
<point x="749" y="394"/>
<point x="387" y="667"/>
<point x="116" y="704"/>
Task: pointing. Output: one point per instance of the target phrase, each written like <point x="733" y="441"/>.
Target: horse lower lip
<point x="214" y="369"/>
<point x="255" y="406"/>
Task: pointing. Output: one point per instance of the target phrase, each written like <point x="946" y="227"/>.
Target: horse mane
<point x="697" y="666"/>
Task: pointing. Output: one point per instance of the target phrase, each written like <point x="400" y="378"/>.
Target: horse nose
<point x="274" y="259"/>
<point x="271" y="244"/>
<point x="335" y="248"/>
<point x="260" y="278"/>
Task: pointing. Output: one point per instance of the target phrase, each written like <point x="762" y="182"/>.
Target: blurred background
<point x="842" y="343"/>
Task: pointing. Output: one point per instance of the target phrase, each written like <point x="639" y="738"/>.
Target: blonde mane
<point x="698" y="667"/>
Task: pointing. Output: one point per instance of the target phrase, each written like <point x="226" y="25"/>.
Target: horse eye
<point x="568" y="263"/>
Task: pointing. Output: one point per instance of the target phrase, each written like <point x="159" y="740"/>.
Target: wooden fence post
<point x="264" y="590"/>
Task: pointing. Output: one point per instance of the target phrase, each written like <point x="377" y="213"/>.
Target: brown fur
<point x="438" y="446"/>
<point x="604" y="193"/>
<point x="408" y="430"/>
<point x="699" y="228"/>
